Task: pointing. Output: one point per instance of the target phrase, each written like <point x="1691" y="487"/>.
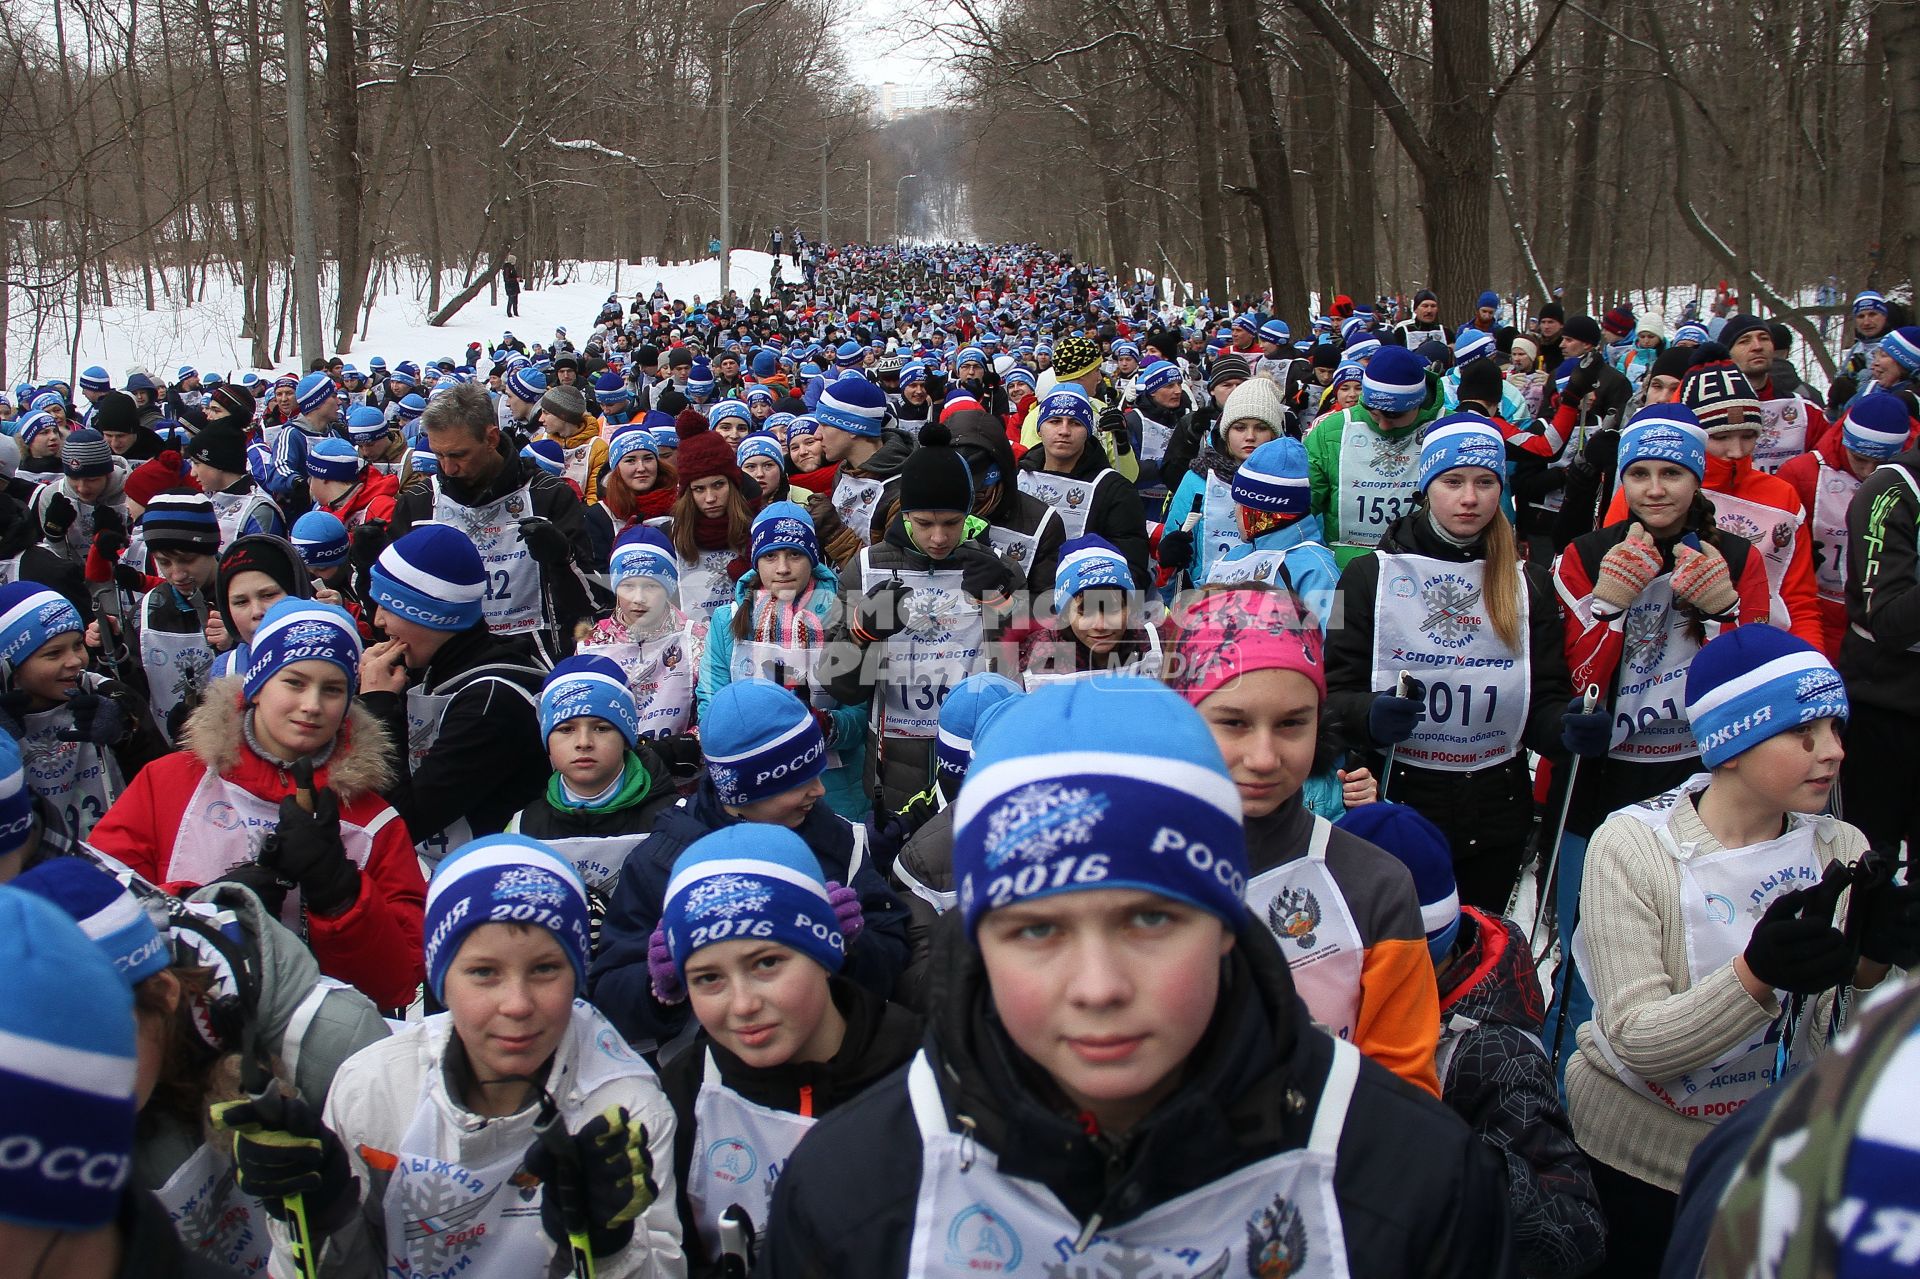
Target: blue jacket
<point x="846" y="794"/>
<point x="1308" y="562"/>
<point x="619" y="983"/>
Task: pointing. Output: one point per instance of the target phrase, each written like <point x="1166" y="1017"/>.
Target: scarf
<point x="789" y="623"/>
<point x="712" y="532"/>
<point x="653" y="503"/>
<point x="1214" y="462"/>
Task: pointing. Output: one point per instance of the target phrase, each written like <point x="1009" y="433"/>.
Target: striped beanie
<point x="1749" y="684"/>
<point x="962" y="716"/>
<point x="1362" y="351"/>
<point x="409" y="408"/>
<point x="1088" y="562"/>
<point x="95" y="378"/>
<point x="547" y="455"/>
<point x="1395" y="381"/>
<point x="321" y="539"/>
<point x="1876" y="426"/>
<point x="366" y="424"/>
<point x="67" y="1071"/>
<point x="853" y="404"/>
<point x="729" y="409"/>
<point x="1348" y="371"/>
<point x="585" y="686"/>
<point x="1422" y="847"/>
<point x="1066" y="400"/>
<point x="85" y="455"/>
<point x="784" y="525"/>
<point x="1903" y="348"/>
<point x="754" y="880"/>
<point x="527" y="384"/>
<point x="1274" y="478"/>
<point x="760" y="444"/>
<point x="297" y="630"/>
<point x="1665" y="433"/>
<point x="759" y="741"/>
<point x="432" y="576"/>
<point x="16" y="800"/>
<point x="31" y="615"/>
<point x="33" y="424"/>
<point x="643" y="551"/>
<point x="313" y="390"/>
<point x="1158" y="374"/>
<point x="631" y="438"/>
<point x="803" y="424"/>
<point x="181" y="522"/>
<point x="111" y="917"/>
<point x="1471" y="344"/>
<point x="1719" y="393"/>
<point x="1276" y="332"/>
<point x="507" y="877"/>
<point x="333" y="458"/>
<point x="1462" y="440"/>
<point x="1868" y="300"/>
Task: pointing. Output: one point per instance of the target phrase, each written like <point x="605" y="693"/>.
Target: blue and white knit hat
<point x="432" y="576"/>
<point x="970" y="355"/>
<point x="1158" y="374"/>
<point x="610" y="389"/>
<point x="1247" y="322"/>
<point x="962" y="715"/>
<point x="33" y="424"/>
<point x="313" y="390"/>
<point x="752" y="881"/>
<point x="332" y="458"/>
<point x="1276" y="332"/>
<point x="47" y="401"/>
<point x="1876" y="426"/>
<point x="517" y="879"/>
<point x="699" y="380"/>
<point x="67" y="1071"/>
<point x="1351" y="328"/>
<point x="1088" y="562"/>
<point x="111" y="917"/>
<point x="758" y="394"/>
<point x="760" y="444"/>
<point x="849" y="355"/>
<point x="297" y="630"/>
<point x="853" y="404"/>
<point x="1348" y="371"/>
<point x="1020" y="376"/>
<point x="526" y="384"/>
<point x="1068" y="400"/>
<point x="410" y="408"/>
<point x="785" y="525"/>
<point x="321" y="539"/>
<point x="16" y="800"/>
<point x="1691" y="332"/>
<point x="31" y="616"/>
<point x="1395" y="381"/>
<point x="547" y="455"/>
<point x="1665" y="433"/>
<point x="1461" y="440"/>
<point x="1903" y="347"/>
<point x="366" y="424"/>
<point x="1108" y="782"/>
<point x="802" y="424"/>
<point x="631" y="438"/>
<point x="913" y="371"/>
<point x="1868" y="300"/>
<point x="1362" y="351"/>
<point x="1424" y="849"/>
<point x="1471" y="344"/>
<point x="589" y="685"/>
<point x="406" y="373"/>
<point x="759" y="741"/>
<point x="777" y="422"/>
<point x="1747" y="685"/>
<point x="1124" y="347"/>
<point x="643" y="551"/>
<point x="422" y="460"/>
<point x="1274" y="478"/>
<point x="664" y="439"/>
<point x="95" y="378"/>
<point x="729" y="409"/>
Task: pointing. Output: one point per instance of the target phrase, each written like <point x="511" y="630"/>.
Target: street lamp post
<point x="869" y="202"/>
<point x="896" y="204"/>
<point x="726" y="101"/>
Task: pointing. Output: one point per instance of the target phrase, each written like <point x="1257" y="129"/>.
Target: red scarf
<point x="655" y="502"/>
<point x="712" y="532"/>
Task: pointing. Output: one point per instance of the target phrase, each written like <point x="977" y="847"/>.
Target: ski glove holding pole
<point x="281" y="1150"/>
<point x="1795" y="946"/>
<point x="1889" y="930"/>
<point x="599" y="1180"/>
<point x="1585" y="731"/>
<point x="307" y="849"/>
<point x="881" y="611"/>
<point x="545" y="542"/>
<point x="1395" y="714"/>
<point x="97" y="719"/>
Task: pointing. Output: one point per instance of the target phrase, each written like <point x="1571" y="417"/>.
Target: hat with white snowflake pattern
<point x="1109" y="782"/>
<point x="504" y="879"/>
<point x="751" y="882"/>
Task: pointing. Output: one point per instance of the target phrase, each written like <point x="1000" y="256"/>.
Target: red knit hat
<point x="155" y="475"/>
<point x="690" y="423"/>
<point x="708" y="454"/>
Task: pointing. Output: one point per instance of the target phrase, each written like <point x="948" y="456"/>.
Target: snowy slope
<point x="207" y="334"/>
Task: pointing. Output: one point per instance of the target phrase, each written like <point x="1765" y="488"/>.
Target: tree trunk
<point x="1267" y="150"/>
<point x="1206" y="150"/>
<point x="1458" y="190"/>
<point x="350" y="248"/>
<point x="468" y="294"/>
<point x="1583" y="181"/>
<point x="1361" y="196"/>
<point x="1319" y="104"/>
<point x="1900" y="37"/>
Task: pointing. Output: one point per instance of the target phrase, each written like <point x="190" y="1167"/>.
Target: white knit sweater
<point x="1657" y="1022"/>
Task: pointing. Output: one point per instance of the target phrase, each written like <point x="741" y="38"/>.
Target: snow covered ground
<point x="207" y="334"/>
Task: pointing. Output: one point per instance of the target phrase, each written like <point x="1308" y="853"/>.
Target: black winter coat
<point x="1117" y="514"/>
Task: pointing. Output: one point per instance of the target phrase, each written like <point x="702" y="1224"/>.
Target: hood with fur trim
<point x="362" y="762"/>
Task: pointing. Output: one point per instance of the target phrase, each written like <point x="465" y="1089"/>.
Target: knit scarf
<point x="653" y="503"/>
<point x="786" y="622"/>
<point x="711" y="532"/>
<point x="1214" y="462"/>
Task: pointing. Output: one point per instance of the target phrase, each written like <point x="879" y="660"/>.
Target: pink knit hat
<point x="1226" y="634"/>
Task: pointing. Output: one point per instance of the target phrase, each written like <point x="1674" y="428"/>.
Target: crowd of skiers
<point x="960" y="764"/>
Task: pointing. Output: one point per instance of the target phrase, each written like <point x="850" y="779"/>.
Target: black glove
<point x="1584" y="378"/>
<point x="608" y="1179"/>
<point x="1795" y="946"/>
<point x="263" y="882"/>
<point x="545" y="543"/>
<point x="110" y="542"/>
<point x="365" y="543"/>
<point x="281" y="1149"/>
<point x="13" y="713"/>
<point x="58" y="516"/>
<point x="96" y="719"/>
<point x="1586" y="733"/>
<point x="307" y="849"/>
<point x="1889" y="913"/>
<point x="881" y="611"/>
<point x="1176" y="549"/>
<point x="1392" y="718"/>
<point x="107" y="518"/>
<point x="984" y="577"/>
<point x="1113" y="425"/>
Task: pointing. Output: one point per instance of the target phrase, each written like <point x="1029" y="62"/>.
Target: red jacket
<point x="1803" y="475"/>
<point x="371" y="499"/>
<point x="375" y="943"/>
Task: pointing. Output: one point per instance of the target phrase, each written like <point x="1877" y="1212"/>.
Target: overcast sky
<point x="872" y="41"/>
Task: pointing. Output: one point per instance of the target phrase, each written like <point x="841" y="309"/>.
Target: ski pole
<point x="1402" y="688"/>
<point x="270" y="1107"/>
<point x="552" y="1134"/>
<point x="1588" y="701"/>
<point x="736" y="1243"/>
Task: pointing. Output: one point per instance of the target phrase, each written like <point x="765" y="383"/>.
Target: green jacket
<point x="1337" y="512"/>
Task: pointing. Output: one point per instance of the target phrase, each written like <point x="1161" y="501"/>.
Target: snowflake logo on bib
<point x="191" y="673"/>
<point x="1277" y="1241"/>
<point x="727" y="896"/>
<point x="1388" y="455"/>
<point x="1452" y="615"/>
<point x="1646" y="635"/>
<point x="1037" y="821"/>
<point x="1294" y="913"/>
<point x="532" y="885"/>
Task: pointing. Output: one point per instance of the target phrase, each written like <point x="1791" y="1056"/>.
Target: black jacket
<point x="881" y="1037"/>
<point x="490" y="759"/>
<point x="619" y="983"/>
<point x="1117" y="514"/>
<point x="840" y="544"/>
<point x="1013" y="510"/>
<point x="846" y="1203"/>
<point x="1451" y="800"/>
<point x="1883" y="570"/>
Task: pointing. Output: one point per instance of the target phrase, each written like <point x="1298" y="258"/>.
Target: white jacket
<point x="390" y="1087"/>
